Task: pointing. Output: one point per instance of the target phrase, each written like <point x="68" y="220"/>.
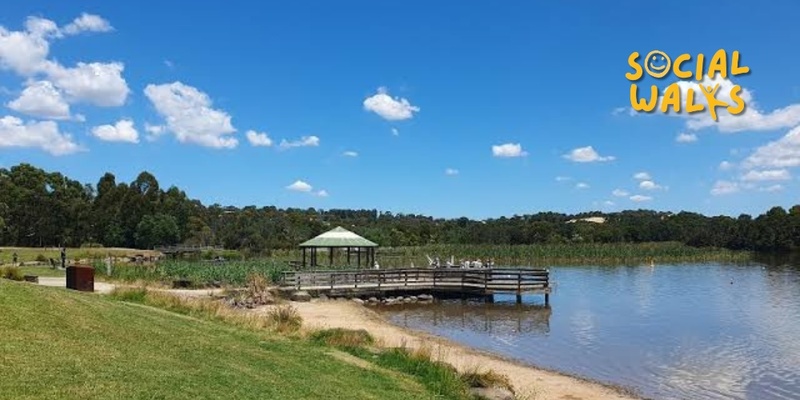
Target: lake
<point x="670" y="331"/>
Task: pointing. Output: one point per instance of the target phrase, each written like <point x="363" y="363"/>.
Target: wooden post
<point x="330" y="256"/>
<point x="348" y="256"/>
<point x="358" y="257"/>
<point x="519" y="287"/>
<point x="547" y="299"/>
<point x="304" y="257"/>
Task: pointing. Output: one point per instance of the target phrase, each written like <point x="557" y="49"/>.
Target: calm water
<point x="670" y="332"/>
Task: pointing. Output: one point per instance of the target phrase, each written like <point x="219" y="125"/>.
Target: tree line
<point x="40" y="208"/>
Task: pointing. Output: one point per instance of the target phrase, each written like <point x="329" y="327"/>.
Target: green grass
<point x="43" y="271"/>
<point x="232" y="273"/>
<point x="44" y="254"/>
<point x="58" y="344"/>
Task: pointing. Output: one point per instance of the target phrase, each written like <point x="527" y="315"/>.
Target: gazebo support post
<point x="304" y="257"/>
<point x="358" y="257"/>
<point x="348" y="256"/>
<point x="330" y="256"/>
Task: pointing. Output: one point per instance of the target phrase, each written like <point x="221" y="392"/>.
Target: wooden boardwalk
<point x="464" y="282"/>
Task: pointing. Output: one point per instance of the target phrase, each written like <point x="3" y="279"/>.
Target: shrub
<point x="13" y="273"/>
<point x="343" y="338"/>
<point x="41" y="258"/>
<point x="488" y="379"/>
<point x="285" y="318"/>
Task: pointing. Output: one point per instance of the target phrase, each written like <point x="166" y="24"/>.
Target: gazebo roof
<point x="338" y="237"/>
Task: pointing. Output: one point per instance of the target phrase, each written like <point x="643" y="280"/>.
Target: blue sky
<point x="375" y="102"/>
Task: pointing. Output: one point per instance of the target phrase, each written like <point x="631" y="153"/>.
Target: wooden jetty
<point x="484" y="282"/>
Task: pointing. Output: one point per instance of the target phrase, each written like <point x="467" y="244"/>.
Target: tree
<point x="158" y="229"/>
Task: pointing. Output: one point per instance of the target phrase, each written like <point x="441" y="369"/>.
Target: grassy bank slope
<point x="58" y="344"/>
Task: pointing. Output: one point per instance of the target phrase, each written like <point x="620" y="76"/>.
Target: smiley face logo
<point x="657" y="63"/>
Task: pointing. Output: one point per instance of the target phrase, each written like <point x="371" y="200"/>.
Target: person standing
<point x="63" y="258"/>
<point x="14" y="258"/>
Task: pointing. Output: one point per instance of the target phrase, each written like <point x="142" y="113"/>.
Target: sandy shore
<point x="529" y="382"/>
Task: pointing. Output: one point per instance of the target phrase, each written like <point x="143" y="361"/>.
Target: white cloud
<point x="122" y="131"/>
<point x="258" y="139"/>
<point x="44" y="135"/>
<point x="585" y="155"/>
<point x="642" y="176"/>
<point x="321" y="193"/>
<point x="392" y="109"/>
<point x="649" y="185"/>
<point x="350" y="154"/>
<point x="581" y="185"/>
<point x="725" y="165"/>
<point x="395" y="132"/>
<point x="751" y="119"/>
<point x="300" y="186"/>
<point x="767" y="175"/>
<point x="169" y="64"/>
<point x="189" y="115"/>
<point x="451" y="171"/>
<point x="96" y="83"/>
<point x="88" y="23"/>
<point x="640" y="198"/>
<point x="724" y="187"/>
<point x="620" y="193"/>
<point x="781" y="153"/>
<point x="508" y="150"/>
<point x="25" y="52"/>
<point x="41" y="99"/>
<point x="305" y="141"/>
<point x="563" y="178"/>
<point x="684" y="137"/>
<point x="770" y="189"/>
<point x="608" y="203"/>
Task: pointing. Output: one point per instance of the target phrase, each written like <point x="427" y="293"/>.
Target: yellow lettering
<point x="672" y="97"/>
<point x="737" y="100"/>
<point x="691" y="106"/>
<point x="643" y="104"/>
<point x="698" y="75"/>
<point x="676" y="69"/>
<point x="718" y="64"/>
<point x="637" y="74"/>
<point x="735" y="68"/>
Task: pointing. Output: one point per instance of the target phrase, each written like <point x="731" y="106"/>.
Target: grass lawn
<point x="43" y="271"/>
<point x="58" y="344"/>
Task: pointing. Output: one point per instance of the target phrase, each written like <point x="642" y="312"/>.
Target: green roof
<point x="338" y="237"/>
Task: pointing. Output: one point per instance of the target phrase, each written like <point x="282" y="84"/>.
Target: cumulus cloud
<point x="640" y="198"/>
<point x="770" y="189"/>
<point x="649" y="185"/>
<point x="620" y="193"/>
<point x="303" y="187"/>
<point x="586" y="155"/>
<point x="725" y="165"/>
<point x="451" y="171"/>
<point x="781" y="153"/>
<point x="508" y="150"/>
<point x="563" y="178"/>
<point x="767" y="175"/>
<point x="258" y="139"/>
<point x="395" y="132"/>
<point x="122" y="131"/>
<point x="724" y="187"/>
<point x="189" y="115"/>
<point x="581" y="185"/>
<point x="389" y="108"/>
<point x="608" y="203"/>
<point x="41" y="99"/>
<point x="300" y="186"/>
<point x="43" y="135"/>
<point x="684" y="137"/>
<point x="350" y="154"/>
<point x="26" y="53"/>
<point x="642" y="176"/>
<point x="88" y="23"/>
<point x="305" y="141"/>
<point x="753" y="118"/>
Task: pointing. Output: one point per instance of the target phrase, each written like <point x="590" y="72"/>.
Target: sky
<point x="449" y="109"/>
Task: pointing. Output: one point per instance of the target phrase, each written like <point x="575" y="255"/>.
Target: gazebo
<point x="339" y="238"/>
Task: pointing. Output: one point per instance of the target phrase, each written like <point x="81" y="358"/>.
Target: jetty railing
<point x="484" y="281"/>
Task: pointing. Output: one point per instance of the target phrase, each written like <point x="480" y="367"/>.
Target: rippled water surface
<point x="670" y="332"/>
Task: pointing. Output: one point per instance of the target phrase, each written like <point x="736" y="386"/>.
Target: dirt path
<point x="105" y="288"/>
<point x="530" y="382"/>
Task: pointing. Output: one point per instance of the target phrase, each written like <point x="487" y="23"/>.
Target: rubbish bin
<point x="81" y="278"/>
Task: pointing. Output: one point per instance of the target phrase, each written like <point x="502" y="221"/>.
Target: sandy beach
<point x="529" y="382"/>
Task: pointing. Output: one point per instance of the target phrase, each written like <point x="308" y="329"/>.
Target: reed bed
<point x="234" y="273"/>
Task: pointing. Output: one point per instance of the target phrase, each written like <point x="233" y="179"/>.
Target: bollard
<point x="81" y="278"/>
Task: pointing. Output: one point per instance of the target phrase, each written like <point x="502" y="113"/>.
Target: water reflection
<point x="672" y="331"/>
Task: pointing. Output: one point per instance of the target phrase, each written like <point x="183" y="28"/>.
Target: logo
<point x="658" y="64"/>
